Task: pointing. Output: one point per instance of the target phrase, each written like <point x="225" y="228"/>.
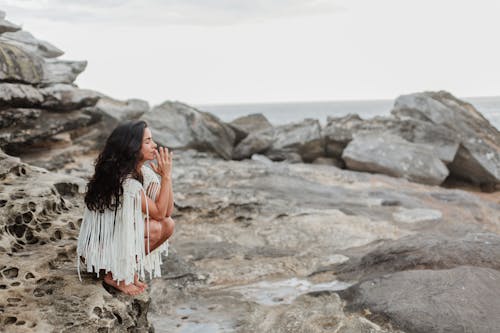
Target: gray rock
<point x="428" y="250"/>
<point x="122" y="110"/>
<point x="180" y="126"/>
<point x="62" y="71"/>
<point x="303" y="138"/>
<point x="63" y="97"/>
<point x="29" y="43"/>
<point x="17" y="65"/>
<point x="339" y="132"/>
<point x="254" y="143"/>
<point x="19" y="95"/>
<point x="329" y="161"/>
<point x="462" y="299"/>
<point x="478" y="158"/>
<point x="252" y="123"/>
<point x="6" y="26"/>
<point x="34" y="131"/>
<point x="242" y="126"/>
<point x="391" y="155"/>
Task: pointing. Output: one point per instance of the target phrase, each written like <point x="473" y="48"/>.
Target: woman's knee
<point x="168" y="226"/>
<point x="155" y="230"/>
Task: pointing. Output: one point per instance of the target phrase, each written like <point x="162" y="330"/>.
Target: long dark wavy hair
<point x="116" y="162"/>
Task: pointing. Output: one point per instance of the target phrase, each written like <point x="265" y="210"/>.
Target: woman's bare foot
<point x="138" y="283"/>
<point x="128" y="289"/>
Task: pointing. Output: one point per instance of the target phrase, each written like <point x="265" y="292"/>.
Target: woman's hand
<point x="164" y="162"/>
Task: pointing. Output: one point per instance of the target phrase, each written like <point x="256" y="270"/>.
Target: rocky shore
<point x="361" y="225"/>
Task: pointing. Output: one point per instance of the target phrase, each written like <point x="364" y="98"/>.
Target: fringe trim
<point x="118" y="246"/>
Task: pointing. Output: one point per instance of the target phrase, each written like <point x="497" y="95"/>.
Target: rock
<point x="340" y="131"/>
<point x="303" y="138"/>
<point x="391" y="155"/>
<point x="424" y="251"/>
<point x="17" y="117"/>
<point x="122" y="110"/>
<point x="64" y="97"/>
<point x="478" y="158"/>
<point x="255" y="143"/>
<point x="261" y="159"/>
<point x="19" y="95"/>
<point x="462" y="299"/>
<point x="329" y="161"/>
<point x="245" y="125"/>
<point x="416" y="215"/>
<point x="62" y="71"/>
<point x="17" y="65"/>
<point x="251" y="123"/>
<point x="179" y="126"/>
<point x="29" y="43"/>
<point x="6" y="26"/>
<point x="31" y="133"/>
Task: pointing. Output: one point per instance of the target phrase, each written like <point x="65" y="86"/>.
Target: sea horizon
<point x="279" y="113"/>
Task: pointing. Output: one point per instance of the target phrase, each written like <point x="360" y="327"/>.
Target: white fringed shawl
<point x="117" y="245"/>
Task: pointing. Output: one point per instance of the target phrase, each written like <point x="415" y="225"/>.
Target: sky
<point x="236" y="51"/>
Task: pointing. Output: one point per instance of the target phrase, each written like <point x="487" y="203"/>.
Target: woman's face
<point x="148" y="146"/>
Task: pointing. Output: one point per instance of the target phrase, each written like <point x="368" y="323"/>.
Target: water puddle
<point x="284" y="291"/>
<point x="218" y="311"/>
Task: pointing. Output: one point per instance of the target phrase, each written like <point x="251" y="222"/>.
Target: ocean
<point x="286" y="112"/>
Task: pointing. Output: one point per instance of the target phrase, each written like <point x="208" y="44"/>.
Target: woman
<point x="126" y="220"/>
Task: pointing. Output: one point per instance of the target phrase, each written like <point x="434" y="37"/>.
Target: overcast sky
<point x="229" y="51"/>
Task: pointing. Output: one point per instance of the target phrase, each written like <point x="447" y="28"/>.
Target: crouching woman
<point x="126" y="222"/>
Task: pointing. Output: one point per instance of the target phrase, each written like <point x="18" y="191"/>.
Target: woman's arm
<point x="158" y="208"/>
<point x="170" y="208"/>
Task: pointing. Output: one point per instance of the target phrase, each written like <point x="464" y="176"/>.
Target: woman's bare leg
<point x="129" y="289"/>
<point x="159" y="232"/>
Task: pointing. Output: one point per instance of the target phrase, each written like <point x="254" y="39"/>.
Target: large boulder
<point x="64" y="97"/>
<point x="181" y="126"/>
<point x="18" y="65"/>
<point x="29" y="43"/>
<point x="302" y="138"/>
<point x="340" y="131"/>
<point x="6" y="26"/>
<point x="122" y="110"/>
<point x="478" y="157"/>
<point x="462" y="299"/>
<point x="389" y="154"/>
<point x="255" y="143"/>
<point x="251" y="123"/>
<point x="20" y="95"/>
<point x="62" y="71"/>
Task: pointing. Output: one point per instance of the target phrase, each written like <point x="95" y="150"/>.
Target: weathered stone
<point x="424" y="251"/>
<point x="29" y="43"/>
<point x="254" y="143"/>
<point x="19" y="95"/>
<point x="462" y="299"/>
<point x="303" y="138"/>
<point x="64" y="97"/>
<point x="122" y="110"/>
<point x="62" y="71"/>
<point x="34" y="131"/>
<point x="245" y="125"/>
<point x="478" y="159"/>
<point x="6" y="26"/>
<point x="252" y="123"/>
<point x="177" y="125"/>
<point x="391" y="155"/>
<point x="17" y="65"/>
<point x="340" y="131"/>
